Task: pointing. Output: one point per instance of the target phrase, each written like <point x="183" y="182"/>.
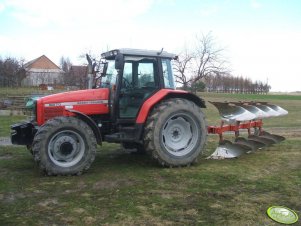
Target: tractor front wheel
<point x="64" y="146"/>
<point x="175" y="132"/>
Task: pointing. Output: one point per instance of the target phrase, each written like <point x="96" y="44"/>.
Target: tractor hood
<point x="88" y="102"/>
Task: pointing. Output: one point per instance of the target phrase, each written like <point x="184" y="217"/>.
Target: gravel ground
<point x="5" y="141"/>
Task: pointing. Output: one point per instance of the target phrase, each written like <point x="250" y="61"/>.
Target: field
<point x="20" y="91"/>
<point x="123" y="188"/>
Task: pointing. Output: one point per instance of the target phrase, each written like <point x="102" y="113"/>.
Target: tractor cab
<point x="133" y="76"/>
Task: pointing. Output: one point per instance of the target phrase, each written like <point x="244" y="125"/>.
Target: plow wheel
<point x="175" y="133"/>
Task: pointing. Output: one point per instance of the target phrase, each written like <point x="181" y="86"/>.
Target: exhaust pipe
<point x="90" y="76"/>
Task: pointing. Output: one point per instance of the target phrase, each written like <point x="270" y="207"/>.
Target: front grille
<point x="52" y="112"/>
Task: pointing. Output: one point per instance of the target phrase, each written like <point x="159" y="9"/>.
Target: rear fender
<point x="163" y="95"/>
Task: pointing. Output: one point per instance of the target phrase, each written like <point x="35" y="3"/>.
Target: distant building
<point x="42" y="71"/>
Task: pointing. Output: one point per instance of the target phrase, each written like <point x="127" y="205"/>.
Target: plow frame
<point x="235" y="127"/>
<point x="254" y="124"/>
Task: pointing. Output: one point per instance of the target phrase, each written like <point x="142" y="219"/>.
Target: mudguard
<point x="165" y="94"/>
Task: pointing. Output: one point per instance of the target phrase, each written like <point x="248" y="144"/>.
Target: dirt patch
<point x="3" y="172"/>
<point x="6" y="156"/>
<point x="79" y="210"/>
<point x="48" y="203"/>
<point x="10" y="197"/>
<point x="81" y="185"/>
<point x="89" y="220"/>
<point x="109" y="184"/>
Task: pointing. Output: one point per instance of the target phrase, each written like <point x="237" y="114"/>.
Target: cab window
<point x="167" y="74"/>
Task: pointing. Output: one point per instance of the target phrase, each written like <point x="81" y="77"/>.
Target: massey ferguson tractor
<point x="134" y="102"/>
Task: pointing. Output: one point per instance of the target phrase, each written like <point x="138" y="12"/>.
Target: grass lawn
<point x="7" y="121"/>
<point x="123" y="188"/>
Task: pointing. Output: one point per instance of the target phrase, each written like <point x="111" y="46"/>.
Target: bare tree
<point x="183" y="67"/>
<point x="208" y="58"/>
<point x="65" y="65"/>
<point x="11" y="72"/>
<point x="205" y="59"/>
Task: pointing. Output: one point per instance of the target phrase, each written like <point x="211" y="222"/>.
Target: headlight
<point x="31" y="109"/>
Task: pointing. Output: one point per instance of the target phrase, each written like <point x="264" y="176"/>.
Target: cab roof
<point x="139" y="52"/>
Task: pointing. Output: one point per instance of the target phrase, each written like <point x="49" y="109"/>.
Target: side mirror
<point x="119" y="61"/>
<point x="103" y="68"/>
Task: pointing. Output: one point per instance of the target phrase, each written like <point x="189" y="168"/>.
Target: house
<point x="42" y="71"/>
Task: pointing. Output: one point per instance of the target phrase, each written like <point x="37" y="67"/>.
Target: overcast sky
<point x="262" y="38"/>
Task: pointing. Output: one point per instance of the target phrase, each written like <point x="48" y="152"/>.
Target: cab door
<point x="139" y="81"/>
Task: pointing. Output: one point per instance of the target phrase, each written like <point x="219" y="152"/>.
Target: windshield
<point x="109" y="78"/>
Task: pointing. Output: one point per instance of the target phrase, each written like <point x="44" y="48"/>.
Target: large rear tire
<point x="64" y="146"/>
<point x="175" y="132"/>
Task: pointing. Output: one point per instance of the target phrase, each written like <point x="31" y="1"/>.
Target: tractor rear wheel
<point x="175" y="132"/>
<point x="64" y="146"/>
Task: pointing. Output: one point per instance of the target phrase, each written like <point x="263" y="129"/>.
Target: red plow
<point x="237" y="116"/>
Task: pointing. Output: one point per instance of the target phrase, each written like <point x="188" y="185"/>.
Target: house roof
<point x="42" y="64"/>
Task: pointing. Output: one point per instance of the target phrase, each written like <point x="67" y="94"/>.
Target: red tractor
<point x="135" y="104"/>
